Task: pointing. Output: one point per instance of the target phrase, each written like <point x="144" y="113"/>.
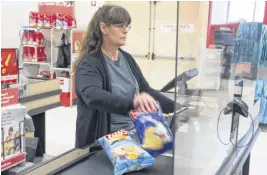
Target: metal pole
<point x="175" y="97"/>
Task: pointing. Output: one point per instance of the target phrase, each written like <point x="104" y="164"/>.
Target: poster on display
<point x="94" y="5"/>
<point x="77" y="37"/>
<point x="12" y="118"/>
<point x="9" y="66"/>
<point x="183" y="28"/>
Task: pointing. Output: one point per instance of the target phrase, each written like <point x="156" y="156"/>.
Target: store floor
<point x="60" y="137"/>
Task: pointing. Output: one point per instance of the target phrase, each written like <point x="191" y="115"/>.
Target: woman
<point x="108" y="81"/>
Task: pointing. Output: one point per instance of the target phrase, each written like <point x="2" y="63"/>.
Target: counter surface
<point x="198" y="150"/>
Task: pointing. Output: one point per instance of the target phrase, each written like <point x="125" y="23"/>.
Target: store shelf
<point x="62" y="69"/>
<point x="37" y="63"/>
<point x="36" y="28"/>
<point x="32" y="45"/>
<point x="38" y="78"/>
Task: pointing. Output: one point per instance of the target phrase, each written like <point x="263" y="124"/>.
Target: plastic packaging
<point x="47" y="19"/>
<point x="124" y="153"/>
<point x="40" y="20"/>
<point x="154" y="134"/>
<point x="33" y="19"/>
<point x="258" y="90"/>
<point x="265" y="89"/>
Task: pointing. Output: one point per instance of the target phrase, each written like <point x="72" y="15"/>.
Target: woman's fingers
<point x="151" y="103"/>
<point x="145" y="102"/>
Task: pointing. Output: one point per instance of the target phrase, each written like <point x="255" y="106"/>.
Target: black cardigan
<point x="95" y="101"/>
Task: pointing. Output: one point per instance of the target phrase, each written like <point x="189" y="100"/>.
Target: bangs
<point x="118" y="15"/>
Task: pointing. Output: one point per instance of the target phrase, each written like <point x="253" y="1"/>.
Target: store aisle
<point x="60" y="136"/>
<point x="60" y="130"/>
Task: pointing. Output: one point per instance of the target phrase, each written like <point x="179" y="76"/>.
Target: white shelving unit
<point x="52" y="36"/>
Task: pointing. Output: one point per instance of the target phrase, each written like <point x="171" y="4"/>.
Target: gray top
<point x="123" y="83"/>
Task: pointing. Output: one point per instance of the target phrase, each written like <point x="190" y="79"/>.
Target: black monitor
<point x="183" y="77"/>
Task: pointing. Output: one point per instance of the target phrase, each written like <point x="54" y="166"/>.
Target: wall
<point x="162" y="70"/>
<point x="13" y="17"/>
<point x="192" y="44"/>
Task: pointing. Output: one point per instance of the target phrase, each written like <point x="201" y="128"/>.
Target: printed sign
<point x="6" y="164"/>
<point x="9" y="96"/>
<point x="183" y="28"/>
<point x="65" y="7"/>
<point x="9" y="66"/>
<point x="77" y="37"/>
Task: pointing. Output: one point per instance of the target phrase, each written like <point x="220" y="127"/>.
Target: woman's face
<point x="115" y="34"/>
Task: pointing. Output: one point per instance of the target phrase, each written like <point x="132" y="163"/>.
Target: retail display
<point x="124" y="153"/>
<point x="154" y="134"/>
<point x="58" y="20"/>
<point x="12" y="129"/>
<point x="34" y="45"/>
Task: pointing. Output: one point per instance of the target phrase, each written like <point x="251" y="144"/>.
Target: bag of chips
<point x="124" y="153"/>
<point x="153" y="131"/>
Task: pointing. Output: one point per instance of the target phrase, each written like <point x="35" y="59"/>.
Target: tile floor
<point x="60" y="137"/>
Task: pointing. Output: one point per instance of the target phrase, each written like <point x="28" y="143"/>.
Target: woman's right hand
<point x="145" y="102"/>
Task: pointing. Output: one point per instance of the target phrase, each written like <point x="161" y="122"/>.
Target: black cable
<point x="252" y="136"/>
<point x="218" y="121"/>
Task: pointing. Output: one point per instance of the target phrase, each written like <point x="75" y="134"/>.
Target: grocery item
<point x="124" y="153"/>
<point x="33" y="19"/>
<point x="47" y="19"/>
<point x="25" y="36"/>
<point x="59" y="21"/>
<point x="154" y="134"/>
<point x="40" y="20"/>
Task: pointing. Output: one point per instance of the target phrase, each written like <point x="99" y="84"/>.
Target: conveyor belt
<point x="99" y="164"/>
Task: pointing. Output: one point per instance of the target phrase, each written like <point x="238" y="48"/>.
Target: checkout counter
<point x="197" y="149"/>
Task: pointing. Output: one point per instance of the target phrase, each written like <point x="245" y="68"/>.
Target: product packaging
<point x="53" y="19"/>
<point x="40" y="20"/>
<point x="59" y="21"/>
<point x="154" y="134"/>
<point x="25" y="53"/>
<point x="74" y="24"/>
<point x="124" y="153"/>
<point x="65" y="22"/>
<point x="33" y="19"/>
<point x="25" y="37"/>
<point x="47" y="19"/>
<point x="258" y="90"/>
<point x="265" y="90"/>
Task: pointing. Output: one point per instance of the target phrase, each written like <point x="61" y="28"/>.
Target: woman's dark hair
<point x="107" y="14"/>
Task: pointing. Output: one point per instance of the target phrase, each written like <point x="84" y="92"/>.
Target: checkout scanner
<point x="181" y="82"/>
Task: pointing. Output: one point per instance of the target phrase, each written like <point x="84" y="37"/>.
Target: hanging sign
<point x="63" y="7"/>
<point x="183" y="28"/>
